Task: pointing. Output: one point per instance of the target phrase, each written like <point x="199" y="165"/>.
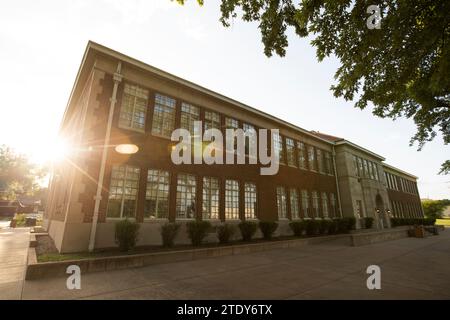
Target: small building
<point x="119" y="101"/>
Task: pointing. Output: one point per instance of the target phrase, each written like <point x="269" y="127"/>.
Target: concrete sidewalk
<point x="411" y="268"/>
<point x="13" y="258"/>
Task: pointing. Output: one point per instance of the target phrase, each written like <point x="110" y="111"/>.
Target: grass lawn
<point x="443" y="222"/>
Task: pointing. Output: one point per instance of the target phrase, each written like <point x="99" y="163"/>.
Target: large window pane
<point x="210" y="201"/>
<point x="189" y="114"/>
<point x="305" y="203"/>
<point x="212" y="120"/>
<point x="294" y="204"/>
<point x="281" y="203"/>
<point x="250" y="201"/>
<point x="290" y="151"/>
<point x="134" y="108"/>
<point x="157" y="195"/>
<point x="123" y="190"/>
<point x="186" y="191"/>
<point x="231" y="199"/>
<point x="163" y="115"/>
<point x="324" y="205"/>
<point x="301" y="155"/>
<point x="315" y="204"/>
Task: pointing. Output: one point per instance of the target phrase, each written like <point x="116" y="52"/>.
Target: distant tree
<point x="17" y="174"/>
<point x="401" y="68"/>
<point x="434" y="208"/>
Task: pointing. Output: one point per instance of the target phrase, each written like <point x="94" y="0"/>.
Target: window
<point x="320" y="160"/>
<point x="294" y="204"/>
<point x="278" y="146"/>
<point x="189" y="114"/>
<point x="305" y="203"/>
<point x="210" y="203"/>
<point x="123" y="191"/>
<point x="231" y="199"/>
<point x="250" y="200"/>
<point x="249" y="130"/>
<point x="375" y="171"/>
<point x="212" y="120"/>
<point x="301" y="155"/>
<point x="333" y="204"/>
<point x="231" y="123"/>
<point x="157" y="195"/>
<point x="186" y="190"/>
<point x="324" y="205"/>
<point x="311" y="158"/>
<point x="328" y="163"/>
<point x="281" y="203"/>
<point x="290" y="151"/>
<point x="163" y="115"/>
<point x="134" y="108"/>
<point x="366" y="168"/>
<point x="355" y="165"/>
<point x="360" y="167"/>
<point x="315" y="204"/>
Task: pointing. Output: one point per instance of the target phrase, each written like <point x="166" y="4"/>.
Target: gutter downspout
<point x="117" y="77"/>
<point x="337" y="182"/>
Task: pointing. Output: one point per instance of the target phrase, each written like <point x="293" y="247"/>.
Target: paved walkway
<point x="13" y="258"/>
<point x="410" y="269"/>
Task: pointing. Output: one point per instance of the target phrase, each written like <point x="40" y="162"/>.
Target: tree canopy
<point x="402" y="68"/>
<point x="434" y="208"/>
<point x="17" y="174"/>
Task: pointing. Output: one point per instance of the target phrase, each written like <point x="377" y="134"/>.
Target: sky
<point x="42" y="43"/>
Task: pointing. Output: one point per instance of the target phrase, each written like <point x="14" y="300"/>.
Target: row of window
<point x="133" y="115"/>
<point x="125" y="184"/>
<point x="401" y="184"/>
<point x="365" y="168"/>
<point x="124" y="188"/>
<point x="406" y="209"/>
<point x="298" y="154"/>
<point x="302" y="203"/>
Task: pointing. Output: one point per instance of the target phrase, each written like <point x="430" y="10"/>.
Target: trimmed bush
<point x="126" y="234"/>
<point x="324" y="225"/>
<point x="342" y="225"/>
<point x="248" y="230"/>
<point x="332" y="227"/>
<point x="311" y="227"/>
<point x="396" y="222"/>
<point x="169" y="231"/>
<point x="297" y="227"/>
<point x="225" y="232"/>
<point x="197" y="231"/>
<point x="351" y="222"/>
<point x="268" y="228"/>
<point x="368" y="222"/>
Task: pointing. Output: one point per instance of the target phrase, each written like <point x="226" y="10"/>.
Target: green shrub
<point x="20" y="219"/>
<point x="169" y="231"/>
<point x="268" y="228"/>
<point x="248" y="229"/>
<point x="126" y="234"/>
<point x="429" y="221"/>
<point x="341" y="225"/>
<point x="225" y="232"/>
<point x="297" y="227"/>
<point x="368" y="222"/>
<point x="311" y="227"/>
<point x="351" y="222"/>
<point x="332" y="227"/>
<point x="197" y="231"/>
<point x="323" y="226"/>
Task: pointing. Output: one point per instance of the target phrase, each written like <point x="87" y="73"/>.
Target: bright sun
<point x="54" y="151"/>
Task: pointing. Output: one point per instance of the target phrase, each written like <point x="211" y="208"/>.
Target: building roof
<point x="399" y="171"/>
